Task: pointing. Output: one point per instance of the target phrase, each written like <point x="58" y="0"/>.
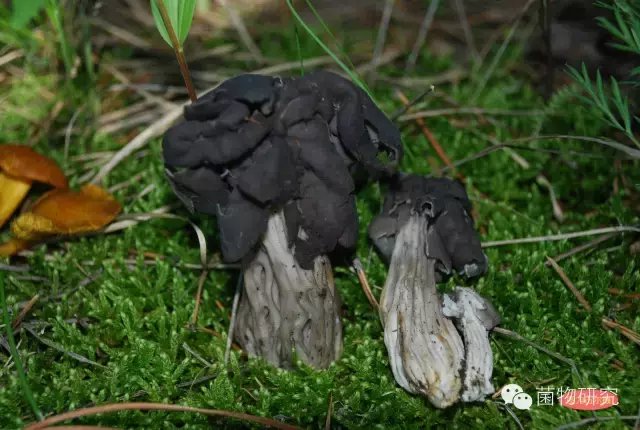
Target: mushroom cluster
<point x="426" y="233"/>
<point x="277" y="161"/>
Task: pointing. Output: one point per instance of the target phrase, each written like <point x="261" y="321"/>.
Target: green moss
<point x="133" y="318"/>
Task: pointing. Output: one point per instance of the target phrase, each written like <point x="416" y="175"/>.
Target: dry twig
<point x="578" y="295"/>
<point x="241" y="28"/>
<point x="327" y="422"/>
<point x="564" y="236"/>
<point x="466" y="29"/>
<point x="364" y="283"/>
<point x="625" y="331"/>
<point x="25" y="310"/>
<point x="382" y="32"/>
<point x="427" y="133"/>
<point x="573" y="251"/>
<point x="513" y="335"/>
<point x="500" y="52"/>
<point x="144" y="406"/>
<point x="154" y="130"/>
<point x="232" y="322"/>
<point x="422" y="35"/>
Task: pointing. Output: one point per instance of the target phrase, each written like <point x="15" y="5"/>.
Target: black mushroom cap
<point x="452" y="239"/>
<point x="257" y="144"/>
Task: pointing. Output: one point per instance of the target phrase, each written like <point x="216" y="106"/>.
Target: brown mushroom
<point x="62" y="212"/>
<point x="20" y="166"/>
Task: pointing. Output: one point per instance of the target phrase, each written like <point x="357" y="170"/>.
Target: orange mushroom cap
<point x="22" y="162"/>
<point x="66" y="212"/>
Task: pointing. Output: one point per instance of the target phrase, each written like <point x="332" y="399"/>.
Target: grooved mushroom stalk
<point x="425" y="350"/>
<point x="286" y="308"/>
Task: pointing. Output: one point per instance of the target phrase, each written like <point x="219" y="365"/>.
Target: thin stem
<point x="327" y="30"/>
<point x="354" y="77"/>
<point x="22" y="377"/>
<point x="177" y="48"/>
<point x="53" y="10"/>
<point x="582" y="247"/>
<point x="422" y="35"/>
<point x="396" y="116"/>
<point x="430" y="137"/>
<point x="631" y="152"/>
<point x="364" y="283"/>
<point x="466" y="29"/>
<point x="565" y="236"/>
<point x="545" y="19"/>
<point x="382" y="31"/>
<point x="144" y="406"/>
<point x="513" y="335"/>
<point x="196" y="309"/>
<point x="500" y="52"/>
<point x="234" y="313"/>
<point x="241" y="28"/>
<point x="577" y="294"/>
<point x="298" y="48"/>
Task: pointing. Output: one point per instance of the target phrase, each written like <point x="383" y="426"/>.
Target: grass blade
<point x="22" y="377"/>
<point x="354" y="77"/>
<point x="180" y="14"/>
<point x="24" y="11"/>
<point x="157" y="18"/>
<point x="327" y="30"/>
<point x="54" y="12"/>
<point x="185" y="17"/>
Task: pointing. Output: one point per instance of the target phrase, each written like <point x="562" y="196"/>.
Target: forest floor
<point x="112" y="321"/>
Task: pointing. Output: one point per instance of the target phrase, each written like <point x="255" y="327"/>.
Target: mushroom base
<point x="474" y="317"/>
<point x="286" y="311"/>
<point x="429" y="355"/>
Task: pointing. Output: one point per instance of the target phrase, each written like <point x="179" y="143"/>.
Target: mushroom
<point x="20" y="166"/>
<point x="274" y="159"/>
<point x="475" y="317"/>
<point x="61" y="212"/>
<point x="426" y="234"/>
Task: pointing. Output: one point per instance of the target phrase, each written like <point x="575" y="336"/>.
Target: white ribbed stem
<point x="286" y="310"/>
<point x="425" y="349"/>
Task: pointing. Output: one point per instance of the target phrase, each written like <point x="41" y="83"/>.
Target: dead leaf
<point x="66" y="212"/>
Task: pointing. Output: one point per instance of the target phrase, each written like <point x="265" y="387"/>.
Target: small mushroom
<point x="274" y="160"/>
<point x="20" y="166"/>
<point x="61" y="212"/>
<point x="475" y="317"/>
<point x="426" y="234"/>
